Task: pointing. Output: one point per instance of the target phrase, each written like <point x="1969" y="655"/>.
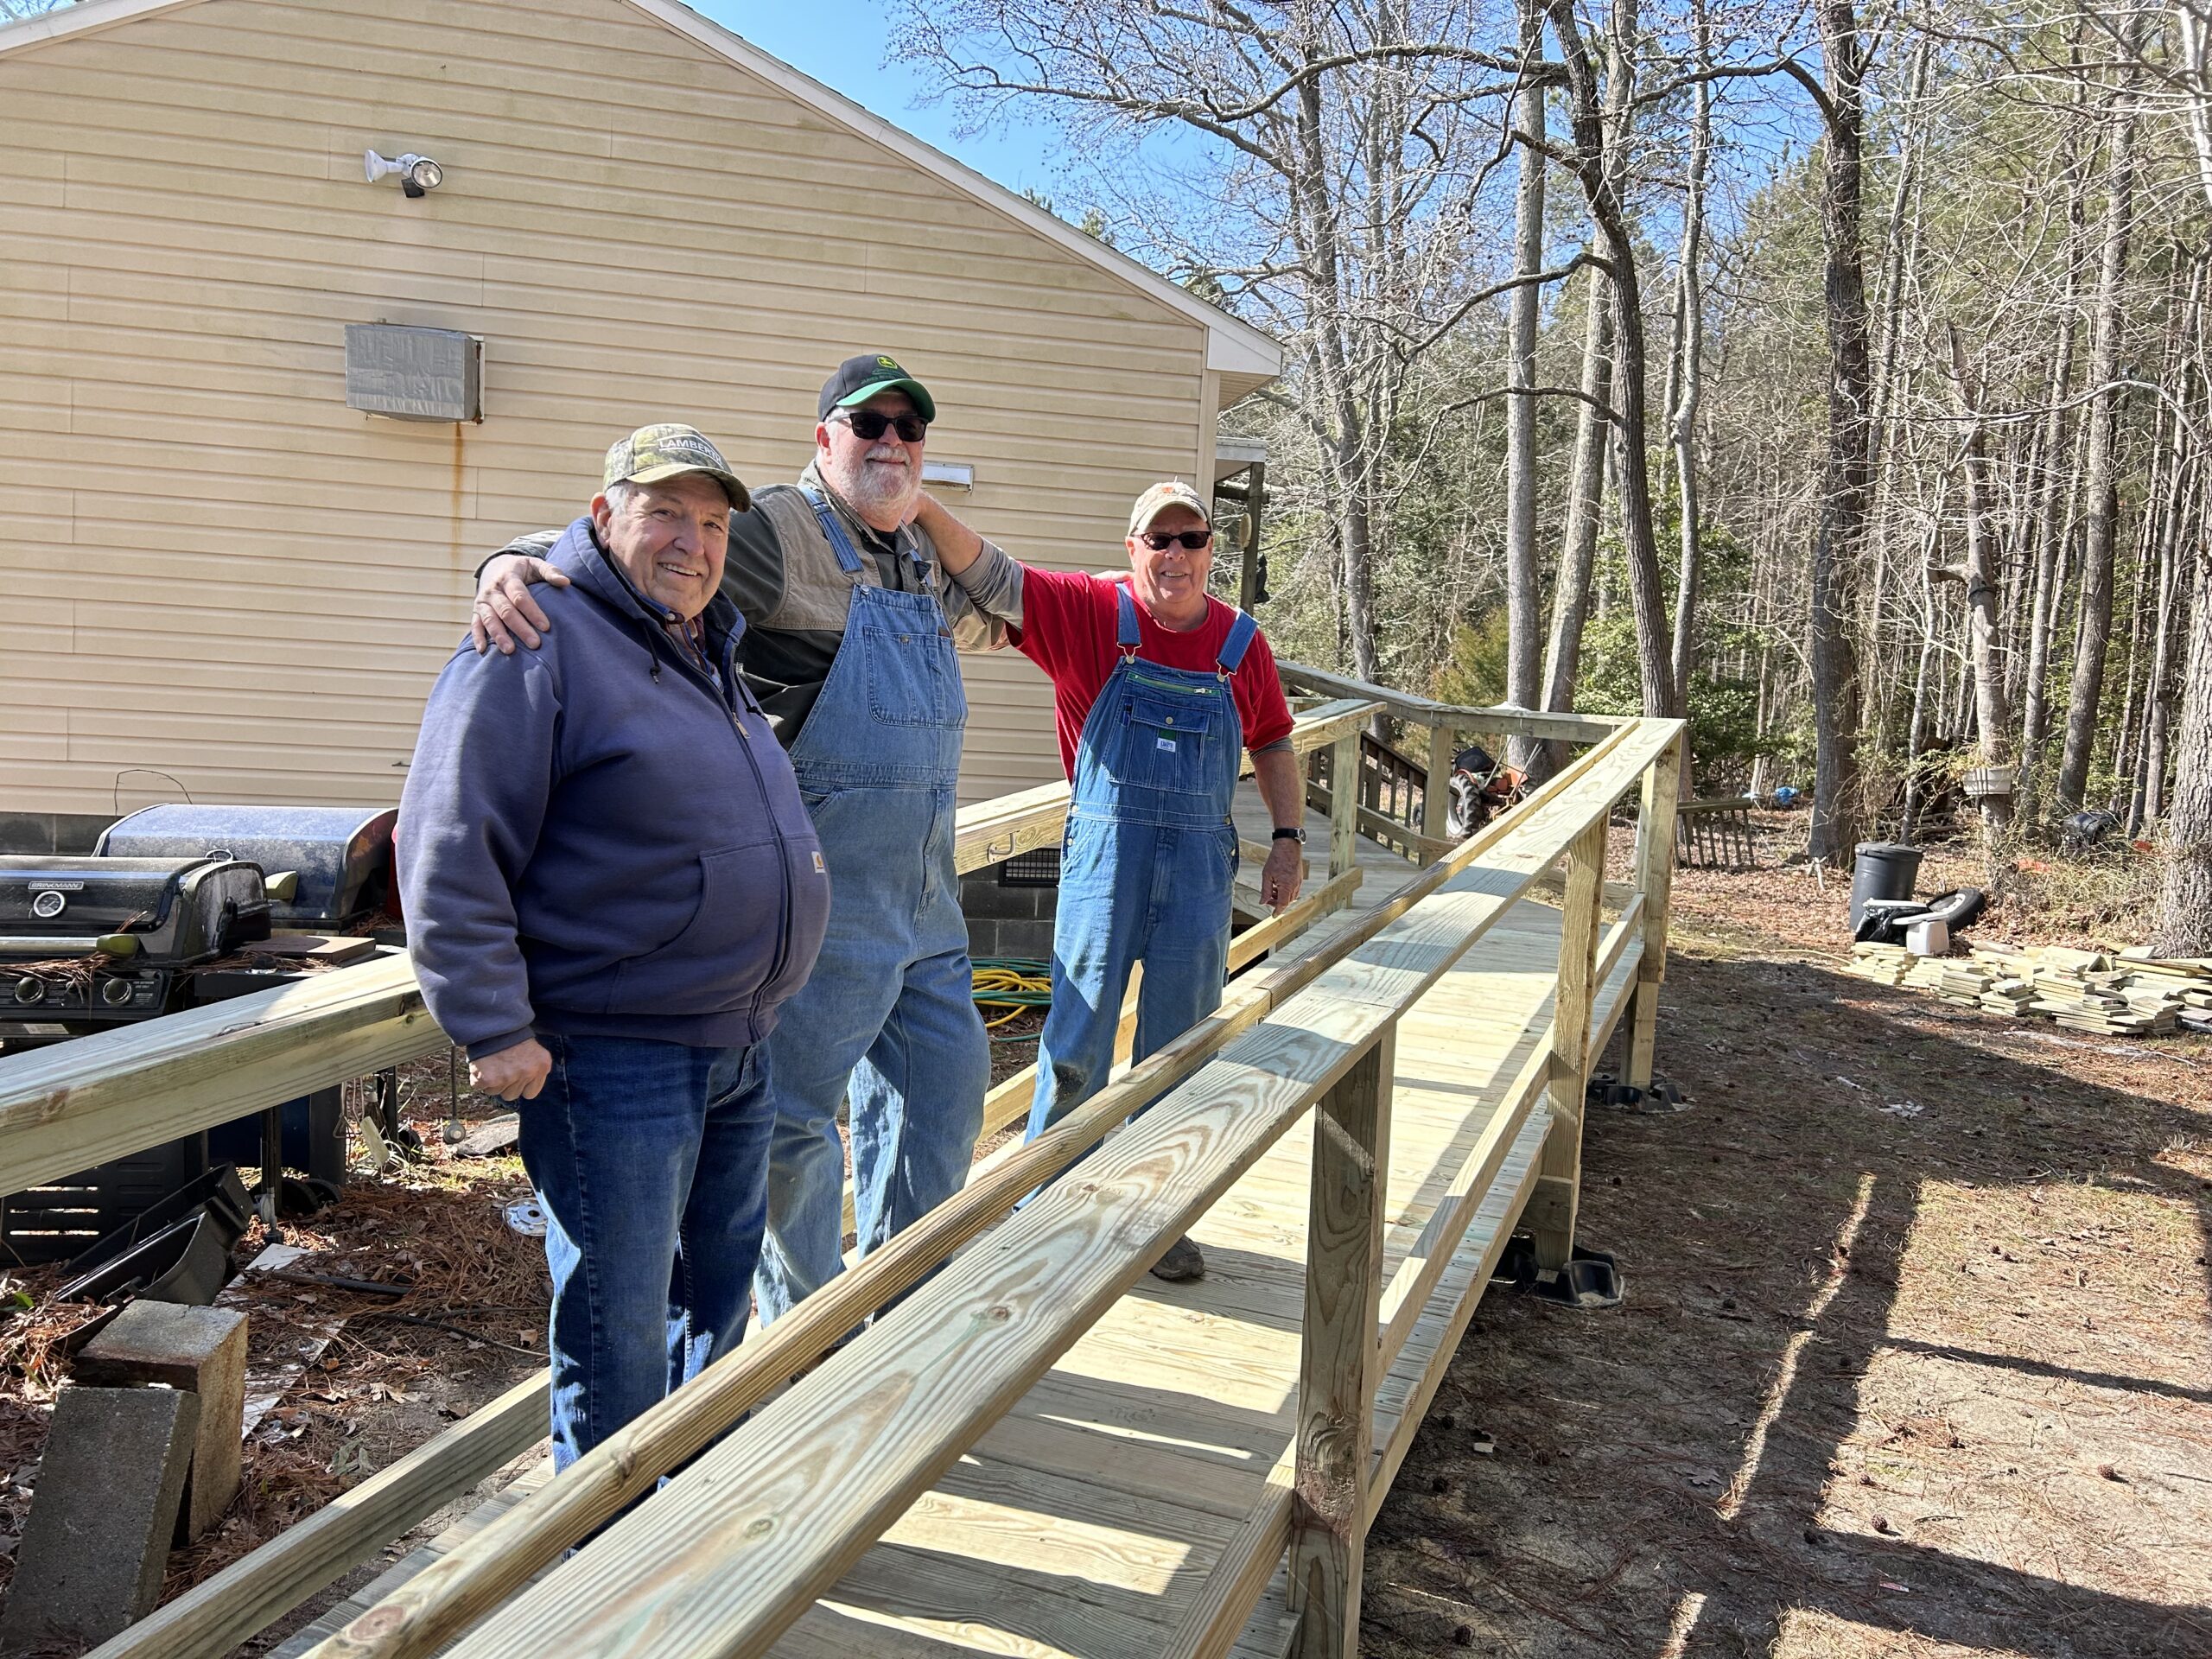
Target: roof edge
<point x="80" y="19"/>
<point x="1232" y="344"/>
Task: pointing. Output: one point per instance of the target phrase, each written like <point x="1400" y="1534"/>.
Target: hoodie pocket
<point x="726" y="952"/>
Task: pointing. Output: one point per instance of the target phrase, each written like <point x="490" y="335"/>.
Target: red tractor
<point x="1481" y="787"/>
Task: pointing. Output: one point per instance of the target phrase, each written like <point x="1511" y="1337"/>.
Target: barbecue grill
<point x="340" y="856"/>
<point x="175" y="909"/>
<point x="102" y="939"/>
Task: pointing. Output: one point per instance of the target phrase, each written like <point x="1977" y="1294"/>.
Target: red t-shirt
<point x="1068" y="627"/>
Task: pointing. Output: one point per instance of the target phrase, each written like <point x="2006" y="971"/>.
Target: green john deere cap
<point x="668" y="450"/>
<point x="859" y="379"/>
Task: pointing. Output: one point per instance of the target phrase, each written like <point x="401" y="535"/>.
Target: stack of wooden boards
<point x="2128" y="993"/>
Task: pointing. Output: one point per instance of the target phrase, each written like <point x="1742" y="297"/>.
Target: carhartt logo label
<point x="819" y="870"/>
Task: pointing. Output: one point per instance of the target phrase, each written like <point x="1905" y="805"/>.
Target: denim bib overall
<point x="888" y="1020"/>
<point x="1147" y="866"/>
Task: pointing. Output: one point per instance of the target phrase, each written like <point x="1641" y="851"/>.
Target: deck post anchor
<point x="1591" y="1280"/>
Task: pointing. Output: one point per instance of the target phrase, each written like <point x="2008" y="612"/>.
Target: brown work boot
<point x="1181" y="1264"/>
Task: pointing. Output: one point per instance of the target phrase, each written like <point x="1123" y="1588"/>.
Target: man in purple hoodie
<point x="612" y="886"/>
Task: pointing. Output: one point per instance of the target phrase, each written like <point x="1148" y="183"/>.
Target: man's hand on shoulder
<point x="516" y="1073"/>
<point x="504" y="613"/>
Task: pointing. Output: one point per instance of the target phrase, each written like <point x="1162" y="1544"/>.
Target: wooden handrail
<point x="229" y="1607"/>
<point x="71" y="1106"/>
<point x="769" y="1517"/>
<point x="480" y="1573"/>
<point x="1427" y="711"/>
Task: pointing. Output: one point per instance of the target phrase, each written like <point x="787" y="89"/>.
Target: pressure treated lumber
<point x="776" y="1512"/>
<point x="1436" y="793"/>
<point x="1425" y="711"/>
<point x="1337" y="1361"/>
<point x="71" y="1106"/>
<point x="477" y="1576"/>
<point x="1654" y="877"/>
<point x="1560" y="1181"/>
<point x="481" y="1579"/>
<point x="75" y="1104"/>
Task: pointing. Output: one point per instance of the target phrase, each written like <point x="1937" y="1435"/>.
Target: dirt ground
<point x="1913" y="1358"/>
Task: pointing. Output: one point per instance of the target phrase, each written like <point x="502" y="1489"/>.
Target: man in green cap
<point x="851" y="631"/>
<point x="613" y="889"/>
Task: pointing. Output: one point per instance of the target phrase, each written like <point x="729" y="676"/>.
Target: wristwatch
<point x="1281" y="834"/>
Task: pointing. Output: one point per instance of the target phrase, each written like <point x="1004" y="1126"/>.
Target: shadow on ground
<point x="1914" y="1359"/>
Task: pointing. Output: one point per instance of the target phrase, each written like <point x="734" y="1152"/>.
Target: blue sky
<point x="841" y="43"/>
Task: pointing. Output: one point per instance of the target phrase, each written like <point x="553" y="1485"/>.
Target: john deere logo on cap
<point x="886" y="363"/>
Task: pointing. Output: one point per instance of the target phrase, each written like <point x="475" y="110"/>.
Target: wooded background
<point x="1835" y="378"/>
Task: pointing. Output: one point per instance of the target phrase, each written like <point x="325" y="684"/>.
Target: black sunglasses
<point x="871" y="424"/>
<point x="1161" y="540"/>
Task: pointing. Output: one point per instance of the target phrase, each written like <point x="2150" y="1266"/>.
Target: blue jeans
<point x="651" y="1161"/>
<point x="1130" y="892"/>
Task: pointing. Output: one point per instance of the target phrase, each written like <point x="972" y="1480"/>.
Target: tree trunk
<point x="2184" y="926"/>
<point x="1687" y="370"/>
<point x="1839" y="543"/>
<point x="1585" y="490"/>
<point x="2052" y="447"/>
<point x="2158" y="718"/>
<point x="1598" y="166"/>
<point x="2101" y="480"/>
<point x="1991" y="715"/>
<point x="1522" y="579"/>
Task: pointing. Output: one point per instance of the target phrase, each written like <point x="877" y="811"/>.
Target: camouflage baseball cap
<point x="1168" y="493"/>
<point x="669" y="450"/>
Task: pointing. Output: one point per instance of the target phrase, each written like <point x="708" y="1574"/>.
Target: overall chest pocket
<point x="913" y="675"/>
<point x="1164" y="739"/>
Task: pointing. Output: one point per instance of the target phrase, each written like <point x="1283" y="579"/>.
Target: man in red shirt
<point x="1157" y="688"/>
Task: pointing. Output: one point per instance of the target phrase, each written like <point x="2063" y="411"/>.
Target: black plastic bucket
<point x="1882" y="869"/>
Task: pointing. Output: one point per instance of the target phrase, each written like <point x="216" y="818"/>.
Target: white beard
<point x="876" y="490"/>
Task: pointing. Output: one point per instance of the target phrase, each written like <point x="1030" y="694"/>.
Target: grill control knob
<point x="115" y="992"/>
<point x="29" y="990"/>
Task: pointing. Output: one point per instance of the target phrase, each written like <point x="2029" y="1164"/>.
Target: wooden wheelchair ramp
<point x="1121" y="1506"/>
<point x="1034" y="1449"/>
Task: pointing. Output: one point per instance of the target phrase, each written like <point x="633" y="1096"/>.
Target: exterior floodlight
<point x="418" y="175"/>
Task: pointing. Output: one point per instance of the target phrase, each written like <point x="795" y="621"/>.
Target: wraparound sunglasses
<point x="1161" y="540"/>
<point x="871" y="424"/>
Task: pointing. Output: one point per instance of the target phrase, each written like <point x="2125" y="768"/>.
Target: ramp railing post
<point x="1655" y="878"/>
<point x="1341" y="1357"/>
<point x="1436" y="793"/>
<point x="1552" y="1207"/>
<point x="1343" y="804"/>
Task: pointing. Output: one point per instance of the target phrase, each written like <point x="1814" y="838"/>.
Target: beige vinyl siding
<point x="210" y="566"/>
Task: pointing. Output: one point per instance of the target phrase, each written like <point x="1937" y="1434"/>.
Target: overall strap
<point x="1239" y="641"/>
<point x="1125" y="612"/>
<point x="848" y="558"/>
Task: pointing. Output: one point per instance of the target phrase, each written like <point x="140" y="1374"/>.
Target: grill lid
<point x="172" y="910"/>
<point x="341" y="854"/>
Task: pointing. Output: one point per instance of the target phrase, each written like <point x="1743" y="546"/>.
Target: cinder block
<point x="200" y="1351"/>
<point x="102" y="1515"/>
